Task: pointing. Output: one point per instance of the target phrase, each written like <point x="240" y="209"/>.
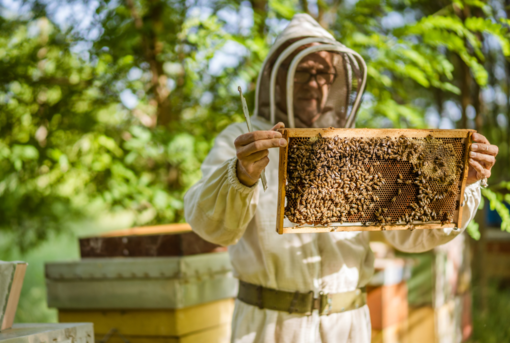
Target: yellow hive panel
<point x="218" y="334"/>
<point x="158" y="323"/>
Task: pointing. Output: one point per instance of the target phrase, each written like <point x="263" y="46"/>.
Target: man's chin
<point x="307" y="103"/>
<point x="308" y="119"/>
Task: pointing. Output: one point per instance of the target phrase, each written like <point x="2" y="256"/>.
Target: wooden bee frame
<point x="460" y="141"/>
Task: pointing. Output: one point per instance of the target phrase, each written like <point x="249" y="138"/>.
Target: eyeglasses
<point x="321" y="78"/>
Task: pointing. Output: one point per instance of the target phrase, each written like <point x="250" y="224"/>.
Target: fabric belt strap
<point x="304" y="303"/>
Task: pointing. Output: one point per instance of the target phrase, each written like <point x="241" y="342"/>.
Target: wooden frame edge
<point x="282" y="177"/>
<point x="327" y="132"/>
<point x="365" y="228"/>
<point x="464" y="177"/>
<point x="146" y="231"/>
<point x="421" y="133"/>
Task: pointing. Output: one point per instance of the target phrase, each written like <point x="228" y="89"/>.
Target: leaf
<point x="498" y="205"/>
<point x="473" y="230"/>
<point x="24" y="152"/>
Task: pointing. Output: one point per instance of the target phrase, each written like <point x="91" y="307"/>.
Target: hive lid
<point x="147" y="241"/>
<point x="390" y="271"/>
<point x="140" y="268"/>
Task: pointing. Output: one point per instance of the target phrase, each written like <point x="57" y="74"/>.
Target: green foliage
<point x="473" y="230"/>
<point x="71" y="148"/>
<point x="497" y="202"/>
<point x="490" y="326"/>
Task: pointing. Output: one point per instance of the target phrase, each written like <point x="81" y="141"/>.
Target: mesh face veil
<point x="304" y="37"/>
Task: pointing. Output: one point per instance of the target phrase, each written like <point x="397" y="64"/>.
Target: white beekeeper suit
<point x="222" y="210"/>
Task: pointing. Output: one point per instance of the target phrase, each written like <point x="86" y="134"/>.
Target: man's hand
<point x="482" y="158"/>
<point x="252" y="150"/>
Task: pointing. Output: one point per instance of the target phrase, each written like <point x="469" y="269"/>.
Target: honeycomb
<point x="375" y="181"/>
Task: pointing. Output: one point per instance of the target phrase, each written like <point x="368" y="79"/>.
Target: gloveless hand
<point x="252" y="150"/>
<point x="482" y="157"/>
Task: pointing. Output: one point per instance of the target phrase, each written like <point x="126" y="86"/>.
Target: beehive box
<point x="425" y="324"/>
<point x="208" y="322"/>
<point x="371" y="179"/>
<point x="387" y="292"/>
<point x="140" y="283"/>
<point x="437" y="276"/>
<point x="149" y="241"/>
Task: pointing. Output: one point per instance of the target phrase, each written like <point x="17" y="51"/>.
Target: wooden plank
<point x="219" y="334"/>
<point x="363" y="228"/>
<point x="282" y="180"/>
<point x="497" y="265"/>
<point x="144" y="268"/>
<point x="178" y="322"/>
<point x="419" y="133"/>
<point x="174" y="244"/>
<point x="150" y="230"/>
<point x="421" y="325"/>
<point x="139" y="293"/>
<point x="393" y="334"/>
<point x="388" y="305"/>
<point x="49" y="333"/>
<point x="464" y="177"/>
<point x="11" y="282"/>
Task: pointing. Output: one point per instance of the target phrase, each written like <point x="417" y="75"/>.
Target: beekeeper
<point x="299" y="287"/>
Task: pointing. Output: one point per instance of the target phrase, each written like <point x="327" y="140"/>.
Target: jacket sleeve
<point x="219" y="207"/>
<point x="423" y="240"/>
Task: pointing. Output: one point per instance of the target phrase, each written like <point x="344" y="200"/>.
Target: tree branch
<point x="304" y="5"/>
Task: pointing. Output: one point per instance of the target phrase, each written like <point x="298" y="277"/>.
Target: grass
<point x="32" y="306"/>
<point x="491" y="326"/>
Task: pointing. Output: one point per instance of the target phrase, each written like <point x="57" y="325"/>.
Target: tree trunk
<point x="438" y="96"/>
<point x="465" y="93"/>
<point x="507" y="79"/>
<point x="304" y="6"/>
<point x="465" y="78"/>
<point x="149" y="31"/>
<point x="260" y="15"/>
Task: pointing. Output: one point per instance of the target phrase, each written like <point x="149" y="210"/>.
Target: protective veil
<point x="222" y="210"/>
<point x="303" y="37"/>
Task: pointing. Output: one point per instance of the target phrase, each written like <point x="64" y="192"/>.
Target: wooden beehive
<point x="371" y="179"/>
<point x="148" y="241"/>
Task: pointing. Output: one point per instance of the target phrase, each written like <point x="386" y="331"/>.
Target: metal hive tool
<point x="371" y="179"/>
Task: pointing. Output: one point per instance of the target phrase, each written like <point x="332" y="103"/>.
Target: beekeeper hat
<point x="345" y="93"/>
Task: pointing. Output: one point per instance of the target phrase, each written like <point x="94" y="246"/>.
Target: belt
<point x="304" y="303"/>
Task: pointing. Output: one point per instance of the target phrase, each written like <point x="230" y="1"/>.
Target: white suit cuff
<point x="234" y="180"/>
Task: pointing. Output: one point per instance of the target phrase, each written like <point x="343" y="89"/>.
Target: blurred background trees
<point x="109" y="106"/>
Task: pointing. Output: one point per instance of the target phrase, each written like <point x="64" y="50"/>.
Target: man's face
<point x="312" y="80"/>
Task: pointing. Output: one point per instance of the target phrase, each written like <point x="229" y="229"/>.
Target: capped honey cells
<point x="373" y="181"/>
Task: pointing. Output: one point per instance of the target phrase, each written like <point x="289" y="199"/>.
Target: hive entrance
<point x="373" y="181"/>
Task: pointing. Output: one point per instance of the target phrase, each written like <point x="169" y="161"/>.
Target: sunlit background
<point x="107" y="109"/>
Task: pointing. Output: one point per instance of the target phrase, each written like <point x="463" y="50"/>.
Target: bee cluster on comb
<point x="375" y="181"/>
